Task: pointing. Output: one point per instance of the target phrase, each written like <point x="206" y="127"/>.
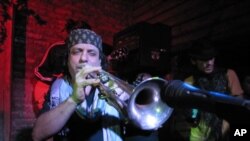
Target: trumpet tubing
<point x="144" y="108"/>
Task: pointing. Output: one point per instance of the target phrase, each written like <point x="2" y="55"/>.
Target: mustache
<point x="81" y="66"/>
<point x="90" y="75"/>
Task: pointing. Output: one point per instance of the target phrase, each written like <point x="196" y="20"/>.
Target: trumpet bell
<point x="145" y="108"/>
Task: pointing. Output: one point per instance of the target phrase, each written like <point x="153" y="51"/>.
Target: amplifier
<point x="141" y="47"/>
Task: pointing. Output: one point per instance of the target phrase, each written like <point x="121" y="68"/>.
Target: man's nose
<point x="83" y="57"/>
<point x="210" y="62"/>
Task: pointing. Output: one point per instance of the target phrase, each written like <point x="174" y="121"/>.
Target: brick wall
<point x="38" y="24"/>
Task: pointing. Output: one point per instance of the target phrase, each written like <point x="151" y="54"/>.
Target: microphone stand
<point x="182" y="95"/>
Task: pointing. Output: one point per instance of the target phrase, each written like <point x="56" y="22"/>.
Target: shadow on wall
<point x="24" y="134"/>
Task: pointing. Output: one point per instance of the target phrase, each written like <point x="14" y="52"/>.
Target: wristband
<point x="77" y="101"/>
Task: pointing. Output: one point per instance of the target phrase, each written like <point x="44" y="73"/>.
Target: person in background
<point x="51" y="66"/>
<point x="75" y="109"/>
<point x="194" y="124"/>
<point x="246" y="86"/>
<point x="141" y="77"/>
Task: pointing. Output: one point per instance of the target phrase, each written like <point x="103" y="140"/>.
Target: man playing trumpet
<point x="74" y="109"/>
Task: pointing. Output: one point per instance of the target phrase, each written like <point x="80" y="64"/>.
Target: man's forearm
<point x="53" y="121"/>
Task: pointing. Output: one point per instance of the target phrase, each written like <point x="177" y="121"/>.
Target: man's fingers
<point x="86" y="70"/>
<point x="89" y="82"/>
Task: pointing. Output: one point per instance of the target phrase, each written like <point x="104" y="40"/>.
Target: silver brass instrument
<point x="144" y="108"/>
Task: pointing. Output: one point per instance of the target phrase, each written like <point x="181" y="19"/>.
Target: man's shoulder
<point x="230" y="71"/>
<point x="189" y="80"/>
<point x="59" y="82"/>
<point x="60" y="89"/>
<point x="221" y="70"/>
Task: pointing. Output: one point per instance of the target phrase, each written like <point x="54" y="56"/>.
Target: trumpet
<point x="144" y="107"/>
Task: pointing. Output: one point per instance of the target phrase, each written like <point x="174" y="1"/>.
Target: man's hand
<point x="83" y="79"/>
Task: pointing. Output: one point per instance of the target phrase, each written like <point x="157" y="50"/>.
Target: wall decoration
<point x="23" y="8"/>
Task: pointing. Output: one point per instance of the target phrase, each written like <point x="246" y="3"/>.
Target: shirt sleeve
<point x="234" y="83"/>
<point x="46" y="104"/>
<point x="52" y="97"/>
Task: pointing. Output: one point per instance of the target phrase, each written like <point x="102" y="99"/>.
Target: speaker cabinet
<point x="142" y="47"/>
